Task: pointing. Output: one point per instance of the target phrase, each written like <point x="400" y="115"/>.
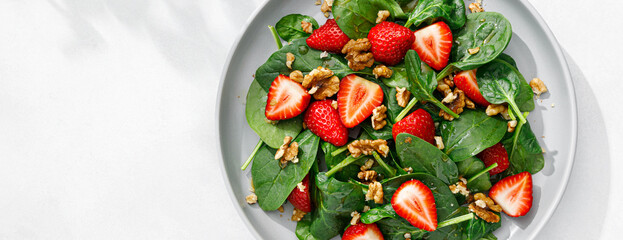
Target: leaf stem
<point x="347" y="161"/>
<point x="339" y="150"/>
<point x="257" y="147"/>
<point x="494" y="165"/>
<point x="455" y="220"/>
<point x="275" y="36"/>
<point x="444" y="108"/>
<point x="513" y="105"/>
<point x="392" y="172"/>
<point x="406" y="110"/>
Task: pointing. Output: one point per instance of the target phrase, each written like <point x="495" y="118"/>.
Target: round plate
<point x="533" y="46"/>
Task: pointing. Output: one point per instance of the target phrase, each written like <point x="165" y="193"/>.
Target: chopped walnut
<point x="382" y="71"/>
<point x="460" y="187"/>
<point x="307" y="27"/>
<point x="475" y="7"/>
<point x="408" y="169"/>
<point x="367" y="146"/>
<point x="473" y="51"/>
<point x="495" y="109"/>
<point x="484" y="213"/>
<point x="407" y="235"/>
<point x="324" y="54"/>
<point x="297" y="215"/>
<point x="488" y="201"/>
<point x="375" y="192"/>
<point x="287" y="152"/>
<point x="296" y="76"/>
<point x="289" y="60"/>
<point x="326" y="7"/>
<point x="456" y="105"/>
<point x="469" y="104"/>
<point x="355" y="218"/>
<point x="318" y="2"/>
<point x="443" y="87"/>
<point x="378" y="117"/>
<point x="511" y="125"/>
<point x="321" y="83"/>
<point x="449" y="98"/>
<point x="300" y="187"/>
<point x="357" y="54"/>
<point x="280" y="209"/>
<point x="366" y="208"/>
<point x="538" y="87"/>
<point x="439" y="142"/>
<point x="367" y="165"/>
<point x="381" y="16"/>
<point x="251" y="198"/>
<point x="402" y="96"/>
<point x="368" y="175"/>
<point x="334" y="104"/>
<point x="505" y="114"/>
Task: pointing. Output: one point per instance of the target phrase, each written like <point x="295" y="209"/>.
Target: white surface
<point x="107" y="118"/>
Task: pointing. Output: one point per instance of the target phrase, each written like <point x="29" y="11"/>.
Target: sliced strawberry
<point x="362" y="231"/>
<point x="513" y="194"/>
<point x="414" y="202"/>
<point x="357" y="99"/>
<point x="299" y="197"/>
<point x="495" y="154"/>
<point x="286" y="99"/>
<point x="329" y="37"/>
<point x="324" y="121"/>
<point x="390" y="42"/>
<point x="466" y="81"/>
<point x="433" y="44"/>
<point x="419" y="123"/>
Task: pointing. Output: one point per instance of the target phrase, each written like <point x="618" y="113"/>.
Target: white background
<point x="107" y="118"/>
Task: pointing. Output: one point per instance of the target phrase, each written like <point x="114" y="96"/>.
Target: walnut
<point x="300" y="187"/>
<point x="495" y="109"/>
<point x="375" y="192"/>
<point x="408" y="169"/>
<point x="538" y="87"/>
<point x="297" y="215"/>
<point x="378" y="117"/>
<point x="357" y="54"/>
<point x="443" y="87"/>
<point x="287" y="152"/>
<point x="334" y="104"/>
<point x="511" y="125"/>
<point x="473" y="51"/>
<point x="460" y="187"/>
<point x="505" y="115"/>
<point x="402" y="96"/>
<point x="307" y="27"/>
<point x="280" y="209"/>
<point x="382" y="15"/>
<point x="439" y="142"/>
<point x="367" y="146"/>
<point x="367" y="176"/>
<point x="469" y="104"/>
<point x="490" y="204"/>
<point x="251" y="198"/>
<point x="476" y="7"/>
<point x="449" y="98"/>
<point x="382" y="71"/>
<point x="484" y="213"/>
<point x="326" y="7"/>
<point x="321" y="83"/>
<point x="324" y="54"/>
<point x="289" y="60"/>
<point x="456" y="105"/>
<point x="367" y="165"/>
<point x="355" y="218"/>
<point x="407" y="236"/>
<point x="366" y="208"/>
<point x="318" y="2"/>
<point x="296" y="76"/>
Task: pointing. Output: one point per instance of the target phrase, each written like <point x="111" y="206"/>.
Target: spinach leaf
<point x="384" y="133"/>
<point x="398" y="78"/>
<point x="347" y="172"/>
<point x="338" y="200"/>
<point x="470" y="134"/>
<point x="303" y="228"/>
<point x="507" y="58"/>
<point x="378" y="213"/>
<point x="524" y="152"/>
<point x="357" y="17"/>
<point x="289" y="27"/>
<point x="407" y="5"/>
<point x="272" y="183"/>
<point x="430" y="11"/>
<point x="424" y="157"/>
<point x="477" y="228"/>
<point x="489" y="31"/>
<point x="480" y="184"/>
<point x="271" y="134"/>
<point x="395" y="229"/>
<point x="470" y="167"/>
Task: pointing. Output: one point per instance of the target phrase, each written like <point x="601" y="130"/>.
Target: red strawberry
<point x="329" y="37"/>
<point x="433" y="44"/>
<point x="286" y="99"/>
<point x="390" y="42"/>
<point x="495" y="154"/>
<point x="466" y="81"/>
<point x="362" y="231"/>
<point x="414" y="202"/>
<point x="299" y="197"/>
<point x="419" y="123"/>
<point x="513" y="194"/>
<point x="357" y="99"/>
<point x="324" y="121"/>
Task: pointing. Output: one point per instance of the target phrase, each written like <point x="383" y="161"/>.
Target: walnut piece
<point x="334" y="104"/>
<point x="402" y="96"/>
<point x="297" y="215"/>
<point x="381" y="16"/>
<point x="296" y="76"/>
<point x="289" y="60"/>
<point x="321" y="83"/>
<point x="251" y="198"/>
<point x="357" y="54"/>
<point x="367" y="146"/>
<point x="367" y="165"/>
<point x="460" y="187"/>
<point x="326" y="7"/>
<point x="538" y="87"/>
<point x="488" y="201"/>
<point x="287" y="152"/>
<point x="495" y="109"/>
<point x="307" y="27"/>
<point x="280" y="209"/>
<point x="484" y="213"/>
<point x="382" y="71"/>
<point x="300" y="187"/>
<point x="408" y="169"/>
<point x="355" y="218"/>
<point x="366" y="208"/>
<point x="443" y="86"/>
<point x="439" y="142"/>
<point x="368" y="175"/>
<point x="469" y="104"/>
<point x="473" y="51"/>
<point x="378" y="117"/>
<point x="457" y="105"/>
<point x="375" y="192"/>
<point x="407" y="236"/>
<point x="511" y="125"/>
<point x="318" y="2"/>
<point x="476" y="7"/>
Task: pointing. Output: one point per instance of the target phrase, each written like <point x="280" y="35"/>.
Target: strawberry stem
<point x="455" y="220"/>
<point x="388" y="169"/>
<point x="482" y="172"/>
<point x="406" y="110"/>
<point x="444" y="108"/>
<point x="275" y="36"/>
<point x="257" y="147"/>
<point x="347" y="161"/>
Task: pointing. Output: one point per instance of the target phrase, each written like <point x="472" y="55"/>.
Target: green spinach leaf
<point x="395" y="229"/>
<point x="407" y="5"/>
<point x="289" y="27"/>
<point x="357" y="17"/>
<point x="347" y="172"/>
<point x="424" y="157"/>
<point x="378" y="213"/>
<point x="507" y="58"/>
<point x="430" y="11"/>
<point x="470" y="167"/>
<point x="470" y="134"/>
<point x="303" y="231"/>
<point x="524" y="152"/>
<point x="500" y="82"/>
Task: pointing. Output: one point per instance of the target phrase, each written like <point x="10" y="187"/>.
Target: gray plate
<point x="533" y="46"/>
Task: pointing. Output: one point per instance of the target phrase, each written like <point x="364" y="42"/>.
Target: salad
<point x="395" y="119"/>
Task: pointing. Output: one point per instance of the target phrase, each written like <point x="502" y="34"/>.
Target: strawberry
<point x="324" y="121"/>
<point x="419" y="123"/>
<point x="286" y="99"/>
<point x="362" y="231"/>
<point x="414" y="202"/>
<point x="495" y="154"/>
<point x="433" y="44"/>
<point x="357" y="99"/>
<point x="466" y="82"/>
<point x="329" y="37"/>
<point x="513" y="194"/>
<point x="390" y="42"/>
<point x="299" y="197"/>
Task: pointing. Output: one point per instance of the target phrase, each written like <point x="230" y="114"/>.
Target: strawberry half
<point x="286" y="99"/>
<point x="414" y="202"/>
<point x="466" y="81"/>
<point x="328" y="37"/>
<point x="513" y="194"/>
<point x="362" y="231"/>
<point x="495" y="154"/>
<point x="419" y="123"/>
<point x="390" y="42"/>
<point x="299" y="197"/>
<point x="357" y="99"/>
<point x="433" y="44"/>
<point x="324" y="121"/>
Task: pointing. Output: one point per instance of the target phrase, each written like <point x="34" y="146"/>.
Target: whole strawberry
<point x="419" y="123"/>
<point x="324" y="121"/>
<point x="495" y="154"/>
<point x="329" y="37"/>
<point x="299" y="197"/>
<point x="390" y="42"/>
